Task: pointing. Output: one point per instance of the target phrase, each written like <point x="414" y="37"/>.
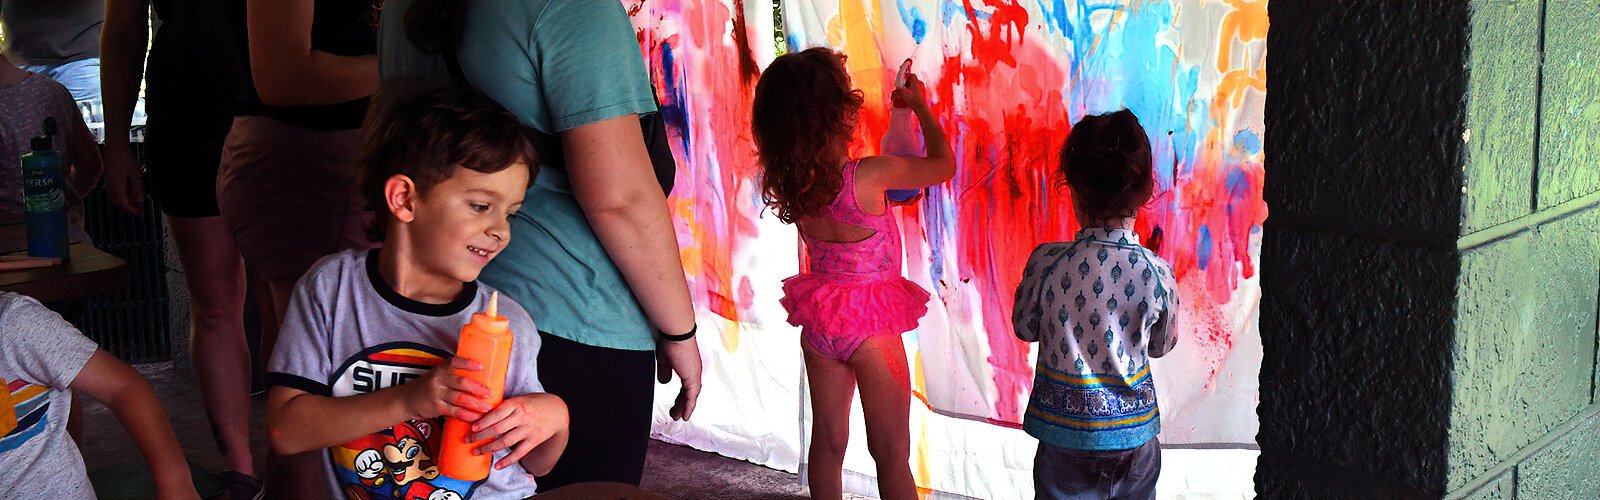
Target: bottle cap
<point x="44" y="142"/>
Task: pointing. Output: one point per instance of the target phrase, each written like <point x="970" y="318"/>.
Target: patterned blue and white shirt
<point x="1100" y="306"/>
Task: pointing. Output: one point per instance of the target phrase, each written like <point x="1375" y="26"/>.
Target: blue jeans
<point x="1063" y="474"/>
<point x="81" y="77"/>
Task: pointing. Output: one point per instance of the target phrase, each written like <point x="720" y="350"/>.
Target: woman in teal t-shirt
<point x="593" y="258"/>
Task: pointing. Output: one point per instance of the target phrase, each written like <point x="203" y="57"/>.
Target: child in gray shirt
<point x="43" y="359"/>
<point x="363" y="366"/>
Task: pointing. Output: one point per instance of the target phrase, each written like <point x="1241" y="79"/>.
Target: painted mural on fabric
<point x="1007" y="79"/>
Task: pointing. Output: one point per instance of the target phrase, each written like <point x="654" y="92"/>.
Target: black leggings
<point x="609" y="394"/>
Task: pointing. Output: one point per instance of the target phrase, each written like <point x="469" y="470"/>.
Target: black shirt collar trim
<point x="469" y="291"/>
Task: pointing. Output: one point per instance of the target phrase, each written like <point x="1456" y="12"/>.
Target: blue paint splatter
<point x="1074" y="23"/>
<point x="949" y="10"/>
<point x="675" y="111"/>
<point x="1236" y="183"/>
<point x="912" y="17"/>
<point x="1202" y="248"/>
<point x="1247" y="141"/>
<point x="941" y="221"/>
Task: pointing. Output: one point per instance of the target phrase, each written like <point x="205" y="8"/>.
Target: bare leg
<point x="214" y="274"/>
<point x="832" y="386"/>
<point x="881" y="371"/>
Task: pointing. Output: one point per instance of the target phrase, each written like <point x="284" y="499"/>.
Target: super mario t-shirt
<point x="347" y="333"/>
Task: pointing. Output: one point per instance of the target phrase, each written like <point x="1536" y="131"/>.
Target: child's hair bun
<point x="1107" y="164"/>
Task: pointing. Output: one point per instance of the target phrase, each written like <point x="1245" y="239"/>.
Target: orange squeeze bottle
<point x="487" y="340"/>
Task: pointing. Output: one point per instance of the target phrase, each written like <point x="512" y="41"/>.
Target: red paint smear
<point x="716" y="159"/>
<point x="1013" y="120"/>
<point x="741" y="41"/>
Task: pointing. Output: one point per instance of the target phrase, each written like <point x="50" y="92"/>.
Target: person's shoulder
<point x="1162" y="267"/>
<point x="343" y="261"/>
<point x="26" y="321"/>
<point x="54" y="92"/>
<point x="1051" y="250"/>
<point x="17" y="312"/>
<point x="566" y="11"/>
<point x="333" y="269"/>
<point x="42" y="94"/>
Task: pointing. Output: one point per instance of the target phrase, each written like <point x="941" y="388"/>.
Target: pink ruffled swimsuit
<point x="854" y="290"/>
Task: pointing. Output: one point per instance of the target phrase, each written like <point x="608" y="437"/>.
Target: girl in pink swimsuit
<point x="851" y="302"/>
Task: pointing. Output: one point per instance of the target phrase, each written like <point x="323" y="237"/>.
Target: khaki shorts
<point x="289" y="195"/>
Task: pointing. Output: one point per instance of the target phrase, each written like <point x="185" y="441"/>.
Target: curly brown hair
<point x="803" y="116"/>
<point x="1106" y="163"/>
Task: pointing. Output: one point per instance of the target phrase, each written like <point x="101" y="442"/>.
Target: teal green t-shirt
<point x="558" y="65"/>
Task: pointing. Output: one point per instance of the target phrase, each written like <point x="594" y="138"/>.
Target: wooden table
<point x="88" y="272"/>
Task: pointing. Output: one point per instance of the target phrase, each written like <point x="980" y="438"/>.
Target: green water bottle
<point x="45" y="196"/>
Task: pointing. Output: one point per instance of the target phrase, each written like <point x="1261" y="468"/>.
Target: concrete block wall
<point x="1431" y="268"/>
<point x="1524" y="417"/>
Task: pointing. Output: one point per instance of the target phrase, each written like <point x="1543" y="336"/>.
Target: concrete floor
<point x="676" y="472"/>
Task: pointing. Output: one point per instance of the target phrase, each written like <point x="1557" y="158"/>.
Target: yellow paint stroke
<point x="860" y="39"/>
<point x="919" y="382"/>
<point x="1246" y="23"/>
<point x="730" y="335"/>
<point x="921" y="473"/>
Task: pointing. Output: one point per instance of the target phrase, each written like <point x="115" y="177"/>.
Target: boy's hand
<point x="520" y="423"/>
<point x="442" y="392"/>
<point x="911" y="95"/>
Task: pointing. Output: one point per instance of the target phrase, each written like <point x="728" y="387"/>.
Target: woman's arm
<point x="123" y="39"/>
<point x="615" y="185"/>
<point x="288" y="72"/>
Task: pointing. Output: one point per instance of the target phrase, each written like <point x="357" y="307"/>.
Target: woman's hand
<point x="682" y="357"/>
<point x="124" y="181"/>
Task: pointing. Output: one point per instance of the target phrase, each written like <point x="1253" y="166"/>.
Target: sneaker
<point x="241" y="486"/>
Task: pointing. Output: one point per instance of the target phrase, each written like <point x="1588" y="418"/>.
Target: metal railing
<point x="131" y="323"/>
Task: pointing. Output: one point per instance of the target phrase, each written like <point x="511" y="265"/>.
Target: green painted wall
<point x="1431" y="269"/>
<point x="1502" y="94"/>
<point x="1569" y="142"/>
